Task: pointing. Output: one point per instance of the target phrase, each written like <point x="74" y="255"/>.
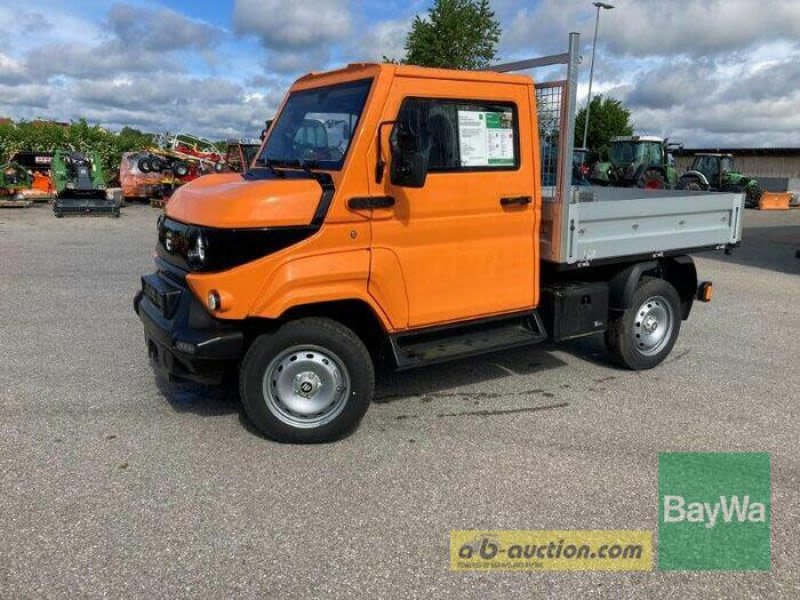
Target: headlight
<point x="196" y="256"/>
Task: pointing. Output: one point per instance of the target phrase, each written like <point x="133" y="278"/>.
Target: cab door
<point x="464" y="242"/>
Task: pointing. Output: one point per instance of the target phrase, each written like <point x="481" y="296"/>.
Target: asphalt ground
<point x="114" y="484"/>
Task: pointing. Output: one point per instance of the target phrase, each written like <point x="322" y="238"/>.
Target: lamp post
<point x="604" y="6"/>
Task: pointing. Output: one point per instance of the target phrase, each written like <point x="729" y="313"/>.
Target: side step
<point x="448" y="342"/>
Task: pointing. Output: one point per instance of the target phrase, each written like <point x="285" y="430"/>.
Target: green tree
<point x="608" y="117"/>
<point x="455" y="34"/>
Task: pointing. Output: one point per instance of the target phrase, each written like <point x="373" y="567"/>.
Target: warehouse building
<point x="777" y="169"/>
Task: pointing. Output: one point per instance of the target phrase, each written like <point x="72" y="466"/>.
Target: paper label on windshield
<point x="486" y="139"/>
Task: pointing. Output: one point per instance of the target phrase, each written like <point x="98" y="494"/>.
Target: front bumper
<point x="183" y="340"/>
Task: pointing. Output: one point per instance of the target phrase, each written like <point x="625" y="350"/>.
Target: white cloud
<point x="293" y="25"/>
<point x="12" y="71"/>
<point x="160" y="29"/>
<point x="385" y="38"/>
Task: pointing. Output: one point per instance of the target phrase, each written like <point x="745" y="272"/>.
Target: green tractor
<point x="80" y="184"/>
<point x="637" y="161"/>
<point x="717" y="173"/>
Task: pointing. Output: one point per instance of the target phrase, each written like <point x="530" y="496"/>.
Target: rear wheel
<point x="310" y="381"/>
<point x="144" y="165"/>
<point x="653" y="179"/>
<point x="690" y="183"/>
<point x="643" y="335"/>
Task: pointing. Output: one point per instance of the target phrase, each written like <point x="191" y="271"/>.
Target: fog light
<point x="214" y="301"/>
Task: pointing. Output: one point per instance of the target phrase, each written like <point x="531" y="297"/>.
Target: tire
<point x="306" y="365"/>
<point x="144" y="165"/>
<point x="180" y="169"/>
<point x="630" y="344"/>
<point x="691" y="184"/>
<point x="652" y="179"/>
<point x="156" y="164"/>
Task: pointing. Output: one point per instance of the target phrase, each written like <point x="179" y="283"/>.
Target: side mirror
<point x="409" y="166"/>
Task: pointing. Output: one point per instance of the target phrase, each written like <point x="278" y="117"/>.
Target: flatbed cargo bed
<point x="605" y="224"/>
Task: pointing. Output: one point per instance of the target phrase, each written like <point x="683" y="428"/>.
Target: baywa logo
<point x="729" y="509"/>
<point x="714" y="511"/>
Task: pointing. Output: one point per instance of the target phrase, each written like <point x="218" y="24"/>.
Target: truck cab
<point x="410" y="237"/>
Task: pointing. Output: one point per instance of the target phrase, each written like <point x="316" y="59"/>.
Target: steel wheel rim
<point x="306" y="386"/>
<point x="652" y="326"/>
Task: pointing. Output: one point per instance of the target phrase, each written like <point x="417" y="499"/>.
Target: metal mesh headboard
<point x="550" y="115"/>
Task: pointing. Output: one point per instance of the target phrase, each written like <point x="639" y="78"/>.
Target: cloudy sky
<point x="706" y="72"/>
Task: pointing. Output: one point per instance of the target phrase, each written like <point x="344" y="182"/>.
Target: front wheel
<point x="642" y="336"/>
<point x="310" y="381"/>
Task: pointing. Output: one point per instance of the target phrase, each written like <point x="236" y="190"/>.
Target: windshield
<point x="626" y="152"/>
<point x="316" y="126"/>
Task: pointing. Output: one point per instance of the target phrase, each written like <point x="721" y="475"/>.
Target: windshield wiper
<point x="271" y="164"/>
<point x="305" y="164"/>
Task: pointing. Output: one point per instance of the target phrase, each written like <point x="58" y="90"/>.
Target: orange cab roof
<point x="371" y="69"/>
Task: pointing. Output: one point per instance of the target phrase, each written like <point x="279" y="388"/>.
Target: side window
<point x="464" y="136"/>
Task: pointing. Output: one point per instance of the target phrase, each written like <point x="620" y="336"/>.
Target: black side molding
<point x="367" y="202"/>
<point x="437" y="344"/>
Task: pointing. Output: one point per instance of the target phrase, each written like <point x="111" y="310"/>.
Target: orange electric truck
<point x="405" y="216"/>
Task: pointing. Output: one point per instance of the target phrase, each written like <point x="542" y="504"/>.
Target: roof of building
<point x="785" y="151"/>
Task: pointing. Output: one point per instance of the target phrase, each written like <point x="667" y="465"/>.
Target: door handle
<point x="516" y="201"/>
<point x="367" y="202"/>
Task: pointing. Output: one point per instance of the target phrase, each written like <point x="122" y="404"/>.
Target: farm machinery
<point x="637" y="161"/>
<point x="80" y="184"/>
<point x="180" y="158"/>
<point x="13" y="179"/>
<point x="38" y="166"/>
<point x="240" y="153"/>
<point x="717" y="173"/>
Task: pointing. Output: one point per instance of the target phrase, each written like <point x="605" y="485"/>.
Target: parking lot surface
<point x="116" y="484"/>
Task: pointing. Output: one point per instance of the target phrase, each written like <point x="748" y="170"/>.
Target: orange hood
<point x="230" y="201"/>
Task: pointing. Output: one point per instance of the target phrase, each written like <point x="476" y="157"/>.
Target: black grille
<point x="224" y="248"/>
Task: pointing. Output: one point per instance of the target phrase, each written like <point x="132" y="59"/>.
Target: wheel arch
<point x="679" y="271"/>
<point x="695" y="175"/>
<point x="355" y="314"/>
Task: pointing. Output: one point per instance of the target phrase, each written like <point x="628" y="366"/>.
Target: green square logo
<point x="714" y="511"/>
